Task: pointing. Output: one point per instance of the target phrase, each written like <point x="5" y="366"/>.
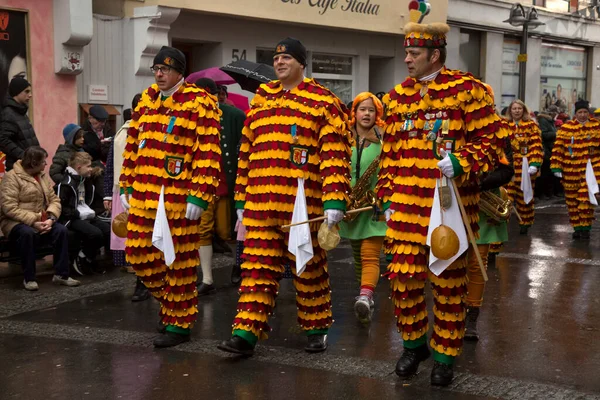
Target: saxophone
<point x="495" y="207"/>
<point x="361" y="195"/>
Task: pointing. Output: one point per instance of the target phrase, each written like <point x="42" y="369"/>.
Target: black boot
<point x="576" y="235"/>
<point x="236" y="274"/>
<point x="316" y="343"/>
<point x="585" y="234"/>
<point x="409" y="361"/>
<point x="170" y="339"/>
<point x="492" y="259"/>
<point x="441" y="374"/>
<point x="523" y="230"/>
<point x="205" y="288"/>
<point x="140" y="293"/>
<point x="471" y="324"/>
<point x="160" y="327"/>
<point x="237" y="345"/>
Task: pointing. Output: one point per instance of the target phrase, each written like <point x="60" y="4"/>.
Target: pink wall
<point x="54" y="96"/>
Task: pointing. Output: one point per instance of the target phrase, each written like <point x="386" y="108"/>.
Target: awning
<point x="111" y="110"/>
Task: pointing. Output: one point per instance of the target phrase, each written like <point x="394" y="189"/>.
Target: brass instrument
<point x="495" y="207"/>
<point x="361" y="195"/>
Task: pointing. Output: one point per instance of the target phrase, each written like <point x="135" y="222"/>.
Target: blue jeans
<point x="26" y="240"/>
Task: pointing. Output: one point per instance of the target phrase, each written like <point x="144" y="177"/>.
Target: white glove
<point x="193" y="212"/>
<point x="388" y="214"/>
<point x="532" y="170"/>
<point x="446" y="164"/>
<point x="558" y="174"/>
<point x="125" y="202"/>
<point x="240" y="215"/>
<point x="333" y="217"/>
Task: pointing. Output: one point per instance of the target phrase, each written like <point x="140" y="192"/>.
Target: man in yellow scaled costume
<point x="438" y="122"/>
<point x="170" y="172"/>
<point x="295" y="139"/>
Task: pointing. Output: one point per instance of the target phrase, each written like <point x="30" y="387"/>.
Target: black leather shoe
<point x="585" y="234"/>
<point x="441" y="374"/>
<point x="523" y="230"/>
<point x="492" y="259"/>
<point x="161" y="328"/>
<point x="236" y="274"/>
<point x="140" y="293"/>
<point x="237" y="345"/>
<point x="170" y="339"/>
<point x="316" y="344"/>
<point x="409" y="361"/>
<point x="576" y="235"/>
<point x="204" y="289"/>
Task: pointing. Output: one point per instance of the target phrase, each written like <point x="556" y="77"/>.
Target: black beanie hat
<point x="579" y="104"/>
<point x="172" y="57"/>
<point x="17" y="85"/>
<point x="207" y="84"/>
<point x="294" y="48"/>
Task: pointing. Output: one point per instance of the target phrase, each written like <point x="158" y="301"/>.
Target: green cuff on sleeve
<point x="129" y="190"/>
<point x="387" y="205"/>
<point x="239" y="205"/>
<point x="556" y="170"/>
<point x="458" y="170"/>
<point x="197" y="201"/>
<point x="535" y="164"/>
<point x="334" y="205"/>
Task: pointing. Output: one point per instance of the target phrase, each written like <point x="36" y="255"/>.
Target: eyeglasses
<point x="163" y="70"/>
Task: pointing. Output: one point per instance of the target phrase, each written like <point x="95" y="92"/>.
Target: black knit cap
<point x="171" y="57"/>
<point x="207" y="84"/>
<point x="579" y="104"/>
<point x="294" y="48"/>
<point x="17" y="85"/>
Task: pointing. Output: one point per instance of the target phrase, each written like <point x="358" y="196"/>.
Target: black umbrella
<point x="249" y="75"/>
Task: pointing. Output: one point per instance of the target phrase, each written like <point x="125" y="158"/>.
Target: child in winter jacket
<point x="77" y="192"/>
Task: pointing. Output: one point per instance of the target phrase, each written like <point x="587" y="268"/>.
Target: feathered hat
<point x="416" y="34"/>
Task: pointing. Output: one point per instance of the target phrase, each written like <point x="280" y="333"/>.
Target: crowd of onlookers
<point x="71" y="207"/>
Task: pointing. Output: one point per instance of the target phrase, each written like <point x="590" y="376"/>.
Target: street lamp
<point x="519" y="16"/>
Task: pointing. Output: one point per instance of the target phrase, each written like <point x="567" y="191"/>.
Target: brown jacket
<point x="22" y="199"/>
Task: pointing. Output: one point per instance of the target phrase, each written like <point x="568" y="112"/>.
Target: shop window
<point x="469" y="51"/>
<point x="510" y="71"/>
<point x="563" y="75"/>
<point x="334" y="72"/>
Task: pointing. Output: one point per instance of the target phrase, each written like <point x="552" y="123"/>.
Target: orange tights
<point x="366" y="260"/>
<point x="476" y="284"/>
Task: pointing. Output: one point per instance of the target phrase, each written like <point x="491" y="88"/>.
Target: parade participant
<point x="577" y="141"/>
<point x="439" y="122"/>
<point x="366" y="234"/>
<point x="170" y="171"/>
<point x="492" y="229"/>
<point x="296" y="132"/>
<point x="526" y="140"/>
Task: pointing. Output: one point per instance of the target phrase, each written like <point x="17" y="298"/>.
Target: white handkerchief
<point x="161" y="236"/>
<point x="592" y="183"/>
<point x="300" y="243"/>
<point x="452" y="219"/>
<point x="526" y="182"/>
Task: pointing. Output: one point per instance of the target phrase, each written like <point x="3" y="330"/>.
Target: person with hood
<point x="97" y="134"/>
<point x="77" y="192"/>
<point x="16" y="132"/>
<point x="74" y="140"/>
<point x="545" y="186"/>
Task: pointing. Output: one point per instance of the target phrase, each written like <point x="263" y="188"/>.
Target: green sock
<point x="246" y="335"/>
<point x="177" y="329"/>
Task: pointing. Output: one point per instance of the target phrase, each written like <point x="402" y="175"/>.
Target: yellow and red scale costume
<point x="174" y="142"/>
<point x="576" y="144"/>
<point x="300" y="133"/>
<point x="526" y="141"/>
<point x="407" y="180"/>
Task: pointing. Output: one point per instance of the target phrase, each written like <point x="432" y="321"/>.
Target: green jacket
<point x="232" y="123"/>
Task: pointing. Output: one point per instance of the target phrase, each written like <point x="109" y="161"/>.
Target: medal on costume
<point x="293" y="132"/>
<point x="423" y="90"/>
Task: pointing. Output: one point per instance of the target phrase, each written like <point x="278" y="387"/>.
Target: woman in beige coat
<point x="29" y="209"/>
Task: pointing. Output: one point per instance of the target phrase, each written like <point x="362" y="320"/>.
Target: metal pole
<point x="523" y="64"/>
